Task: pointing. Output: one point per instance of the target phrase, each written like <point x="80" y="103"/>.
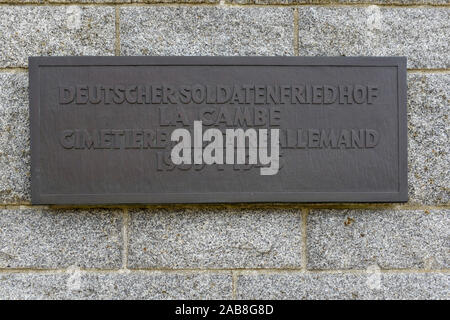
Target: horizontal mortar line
<point x="441" y="70"/>
<point x="237" y="271"/>
<point x="58" y="270"/>
<point x="348" y="5"/>
<point x="212" y="269"/>
<point x="107" y="4"/>
<point x="349" y="206"/>
<point x="218" y="4"/>
<point x="339" y="271"/>
<point x="115" y="270"/>
<point x="393" y="270"/>
<point x="14" y="69"/>
<point x="386" y="207"/>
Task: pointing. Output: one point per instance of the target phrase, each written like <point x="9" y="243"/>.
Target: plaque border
<point x="35" y="63"/>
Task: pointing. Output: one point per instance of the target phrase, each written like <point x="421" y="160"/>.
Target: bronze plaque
<point x="109" y="130"/>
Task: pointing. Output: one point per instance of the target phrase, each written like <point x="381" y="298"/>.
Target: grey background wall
<point x="353" y="251"/>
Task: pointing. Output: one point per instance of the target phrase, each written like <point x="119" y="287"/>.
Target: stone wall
<point x="295" y="251"/>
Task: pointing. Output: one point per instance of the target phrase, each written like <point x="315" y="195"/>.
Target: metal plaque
<point x="108" y="130"/>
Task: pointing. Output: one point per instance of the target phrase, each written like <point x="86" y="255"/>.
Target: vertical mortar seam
<point x="233" y="284"/>
<point x="117" y="31"/>
<point x="125" y="239"/>
<point x="296" y="32"/>
<point x="304" y="255"/>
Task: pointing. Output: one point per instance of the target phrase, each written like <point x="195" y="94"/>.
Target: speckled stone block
<point x="14" y="138"/>
<point x="429" y="138"/>
<point x="240" y="1"/>
<point x="370" y="285"/>
<point x="45" y="238"/>
<point x="76" y="284"/>
<point x="388" y="239"/>
<point x="197" y="30"/>
<point x="421" y="34"/>
<point x="54" y="30"/>
<point x="209" y="238"/>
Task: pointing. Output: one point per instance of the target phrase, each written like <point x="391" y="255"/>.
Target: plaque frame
<point x="37" y="197"/>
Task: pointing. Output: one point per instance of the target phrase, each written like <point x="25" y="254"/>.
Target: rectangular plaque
<point x="108" y="130"/>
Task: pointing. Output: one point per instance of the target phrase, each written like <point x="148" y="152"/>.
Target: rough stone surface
<point x="40" y="238"/>
<point x="54" y="30"/>
<point x="370" y="285"/>
<point x="421" y="34"/>
<point x="206" y="31"/>
<point x="389" y="239"/>
<point x="241" y="1"/>
<point x="14" y="138"/>
<point x="215" y="238"/>
<point x="76" y="284"/>
<point x="429" y="136"/>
